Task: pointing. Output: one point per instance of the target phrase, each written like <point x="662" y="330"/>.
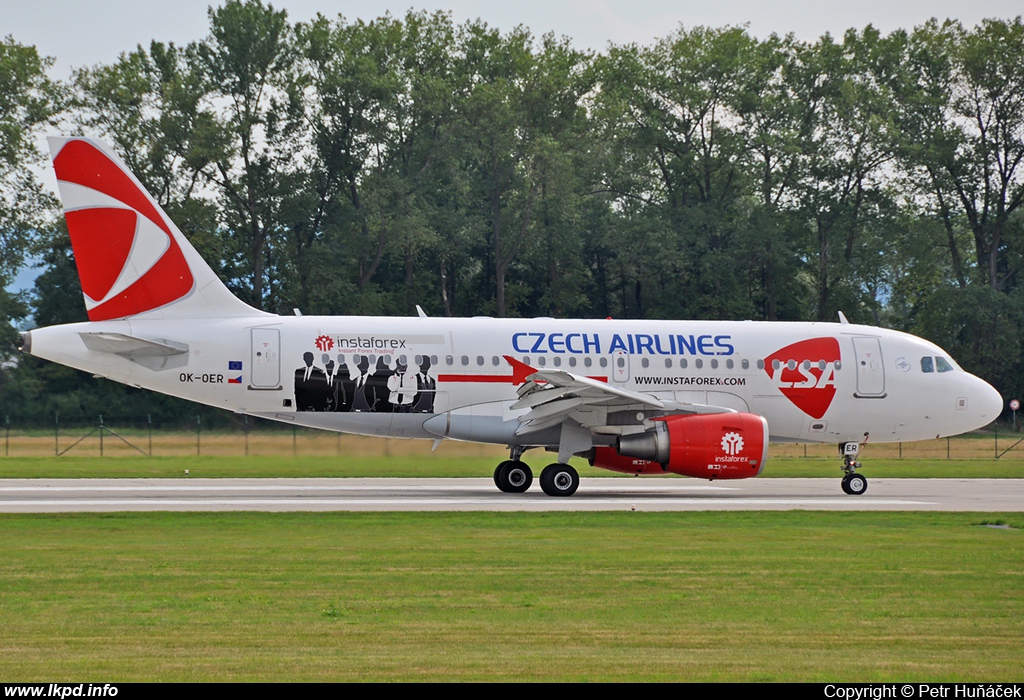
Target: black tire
<point x="516" y="476"/>
<point x="856" y="484"/>
<point x="846" y="484"/>
<point x="502" y="485"/>
<point x="559" y="480"/>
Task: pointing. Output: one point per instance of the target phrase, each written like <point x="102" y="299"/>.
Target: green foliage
<point x="364" y="167"/>
<point x="983" y="329"/>
<point x="28" y="101"/>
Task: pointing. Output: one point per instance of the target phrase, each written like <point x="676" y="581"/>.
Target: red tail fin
<point x="131" y="258"/>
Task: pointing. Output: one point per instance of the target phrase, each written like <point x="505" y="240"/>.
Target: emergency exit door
<point x="266" y="359"/>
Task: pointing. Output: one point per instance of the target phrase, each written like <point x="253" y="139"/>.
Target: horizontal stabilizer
<point x="156" y="355"/>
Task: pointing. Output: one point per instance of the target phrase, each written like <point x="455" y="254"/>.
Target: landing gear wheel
<point x="497" y="474"/>
<point x="855" y="484"/>
<point x="513" y="476"/>
<point x="559" y="480"/>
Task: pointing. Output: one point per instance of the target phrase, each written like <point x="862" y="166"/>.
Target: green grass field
<point x="792" y="596"/>
<point x="445" y="465"/>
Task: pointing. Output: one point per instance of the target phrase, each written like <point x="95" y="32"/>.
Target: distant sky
<point x="86" y="32"/>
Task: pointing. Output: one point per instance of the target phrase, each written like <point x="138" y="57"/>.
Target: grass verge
<point x="444" y="465"/>
<point x="790" y="596"/>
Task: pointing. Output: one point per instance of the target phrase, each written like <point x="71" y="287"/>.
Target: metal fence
<point x="106" y="436"/>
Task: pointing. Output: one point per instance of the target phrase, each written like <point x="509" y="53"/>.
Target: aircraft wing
<point x="553" y="396"/>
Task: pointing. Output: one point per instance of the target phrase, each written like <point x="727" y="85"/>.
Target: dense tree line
<point x="359" y="167"/>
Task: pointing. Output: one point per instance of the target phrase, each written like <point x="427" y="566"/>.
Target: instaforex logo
<point x="369" y="344"/>
<point x="732" y="444"/>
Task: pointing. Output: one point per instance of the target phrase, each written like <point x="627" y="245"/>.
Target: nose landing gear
<point x="853" y="483"/>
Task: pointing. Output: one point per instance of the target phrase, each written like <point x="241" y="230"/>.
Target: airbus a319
<point x="696" y="398"/>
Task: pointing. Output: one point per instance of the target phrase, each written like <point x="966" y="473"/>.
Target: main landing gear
<point x="559" y="480"/>
<point x="853" y="483"/>
<point x="514" y="476"/>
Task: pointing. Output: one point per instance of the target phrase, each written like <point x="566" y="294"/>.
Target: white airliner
<point x="698" y="398"/>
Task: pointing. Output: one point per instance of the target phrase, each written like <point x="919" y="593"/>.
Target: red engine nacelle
<point x="608" y="458"/>
<point x="715" y="446"/>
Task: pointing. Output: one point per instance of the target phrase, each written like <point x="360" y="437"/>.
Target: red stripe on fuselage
<point x="491" y="378"/>
<point x="520" y="371"/>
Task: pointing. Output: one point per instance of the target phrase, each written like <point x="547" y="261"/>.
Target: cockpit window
<point x="927" y="365"/>
<point x="943" y="365"/>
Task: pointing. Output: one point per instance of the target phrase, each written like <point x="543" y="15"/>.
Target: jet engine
<point x="714" y="446"/>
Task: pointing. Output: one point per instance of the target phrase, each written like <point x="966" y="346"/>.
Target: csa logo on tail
<point x="128" y="260"/>
<point x="805" y="373"/>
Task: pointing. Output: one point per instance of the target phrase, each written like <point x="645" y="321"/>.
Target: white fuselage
<point x="815" y="382"/>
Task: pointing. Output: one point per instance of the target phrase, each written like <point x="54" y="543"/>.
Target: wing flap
<point x="551" y="397"/>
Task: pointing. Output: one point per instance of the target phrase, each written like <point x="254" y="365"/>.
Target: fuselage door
<point x="266" y="358"/>
<point x="870" y="369"/>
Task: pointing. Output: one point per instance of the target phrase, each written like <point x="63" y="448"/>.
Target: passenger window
<point x="714" y="364"/>
<point x="942" y="365"/>
<point x="682" y="363"/>
<point x="698" y="363"/>
<point x="480" y="360"/>
<point x="645" y="362"/>
<point x="572" y="361"/>
<point x="587" y="362"/>
<point x="449" y="360"/>
<point x="604" y="361"/>
<point x="668" y="362"/>
<point x="558" y="361"/>
<point x="495" y="361"/>
<point x="465" y="360"/>
<point x="542" y="361"/>
<point x="926" y="365"/>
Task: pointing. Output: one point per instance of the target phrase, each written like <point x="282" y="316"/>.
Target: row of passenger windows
<point x="645" y="362"/>
<point x="402" y="360"/>
<point x="940" y="363"/>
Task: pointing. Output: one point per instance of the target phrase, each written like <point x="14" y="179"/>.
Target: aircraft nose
<point x="988" y="401"/>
